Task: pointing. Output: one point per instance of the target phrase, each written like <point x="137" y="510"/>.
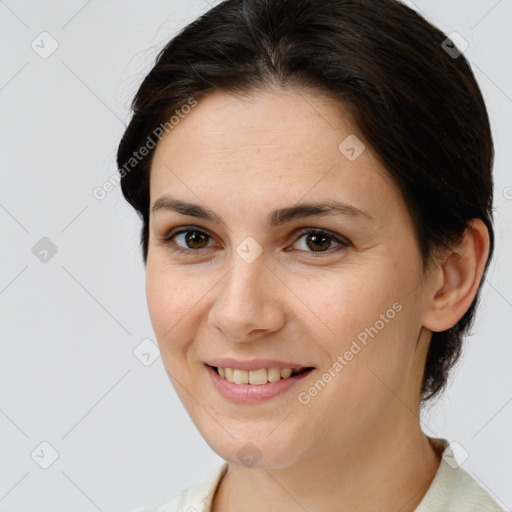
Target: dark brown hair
<point x="416" y="103"/>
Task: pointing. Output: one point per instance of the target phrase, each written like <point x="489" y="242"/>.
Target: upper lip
<point x="254" y="364"/>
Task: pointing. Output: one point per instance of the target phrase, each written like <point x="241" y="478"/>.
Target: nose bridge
<point x="245" y="284"/>
<point x="244" y="302"/>
<point x="248" y="270"/>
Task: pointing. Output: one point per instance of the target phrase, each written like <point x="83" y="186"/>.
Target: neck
<point x="386" y="472"/>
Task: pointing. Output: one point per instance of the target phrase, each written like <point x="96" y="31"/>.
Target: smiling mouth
<point x="258" y="377"/>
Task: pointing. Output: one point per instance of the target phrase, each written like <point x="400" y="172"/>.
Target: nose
<point x="248" y="304"/>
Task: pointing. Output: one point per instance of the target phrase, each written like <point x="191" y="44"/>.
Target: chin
<point x="254" y="448"/>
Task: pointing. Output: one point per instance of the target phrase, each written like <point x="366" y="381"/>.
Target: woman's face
<point x="259" y="283"/>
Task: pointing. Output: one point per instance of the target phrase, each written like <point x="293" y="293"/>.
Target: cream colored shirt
<point x="451" y="490"/>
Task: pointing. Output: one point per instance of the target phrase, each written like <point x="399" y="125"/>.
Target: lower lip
<point x="251" y="393"/>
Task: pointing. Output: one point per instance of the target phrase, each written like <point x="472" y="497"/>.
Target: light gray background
<point x="69" y="326"/>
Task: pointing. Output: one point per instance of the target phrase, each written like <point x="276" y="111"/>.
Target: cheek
<point x="344" y="303"/>
<point x="369" y="319"/>
<point x="172" y="302"/>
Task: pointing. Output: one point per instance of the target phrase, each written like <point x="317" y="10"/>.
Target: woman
<point x="314" y="181"/>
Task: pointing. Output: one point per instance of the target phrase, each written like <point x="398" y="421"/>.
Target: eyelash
<point x="343" y="244"/>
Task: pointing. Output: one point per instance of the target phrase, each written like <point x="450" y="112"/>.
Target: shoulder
<point x="196" y="498"/>
<point x="454" y="490"/>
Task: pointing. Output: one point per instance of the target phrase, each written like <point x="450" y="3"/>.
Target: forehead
<point x="271" y="145"/>
<point x="224" y="122"/>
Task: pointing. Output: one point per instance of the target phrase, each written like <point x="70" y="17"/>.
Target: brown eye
<point x="196" y="239"/>
<point x="320" y="241"/>
<point x="187" y="240"/>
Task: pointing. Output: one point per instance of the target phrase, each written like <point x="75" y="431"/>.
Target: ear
<point x="455" y="279"/>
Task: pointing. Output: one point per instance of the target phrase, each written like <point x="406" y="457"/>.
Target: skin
<point x="242" y="158"/>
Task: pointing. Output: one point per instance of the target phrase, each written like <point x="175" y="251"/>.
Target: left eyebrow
<point x="275" y="217"/>
<point x="283" y="215"/>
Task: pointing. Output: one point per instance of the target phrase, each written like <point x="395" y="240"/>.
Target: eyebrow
<point x="274" y="218"/>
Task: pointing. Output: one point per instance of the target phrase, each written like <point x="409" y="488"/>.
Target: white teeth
<point x="257" y="377"/>
<point x="241" y="377"/>
<point x="274" y="374"/>
<point x="286" y="372"/>
<point x="229" y="374"/>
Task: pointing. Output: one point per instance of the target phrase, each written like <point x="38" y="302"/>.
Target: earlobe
<point x="457" y="278"/>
